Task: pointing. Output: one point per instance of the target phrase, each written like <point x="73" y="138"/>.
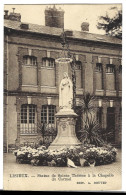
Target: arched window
<point x="28" y="119"/>
<point x="30" y="60"/>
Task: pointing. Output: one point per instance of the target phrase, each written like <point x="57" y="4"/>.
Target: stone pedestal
<point x="66" y="136"/>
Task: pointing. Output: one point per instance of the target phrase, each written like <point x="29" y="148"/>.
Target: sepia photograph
<point x="62" y="97"/>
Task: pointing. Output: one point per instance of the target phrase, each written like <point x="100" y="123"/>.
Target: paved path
<point x="28" y="177"/>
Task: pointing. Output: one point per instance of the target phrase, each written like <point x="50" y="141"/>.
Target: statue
<point x="66" y="93"/>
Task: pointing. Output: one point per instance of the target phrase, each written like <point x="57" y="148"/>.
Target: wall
<point x="110" y="81"/>
<point x="12" y="120"/>
<point x="13" y="69"/>
<point x="98" y="80"/>
<point x="89" y="74"/>
<point x="40" y="45"/>
<point x="29" y="75"/>
<point x="48" y="77"/>
<point x="5" y="124"/>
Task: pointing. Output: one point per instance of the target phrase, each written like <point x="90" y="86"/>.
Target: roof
<point x="35" y="28"/>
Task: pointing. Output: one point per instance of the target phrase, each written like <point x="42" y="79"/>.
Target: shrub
<point x="44" y="157"/>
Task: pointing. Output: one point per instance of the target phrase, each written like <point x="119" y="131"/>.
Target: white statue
<point x="65" y="93"/>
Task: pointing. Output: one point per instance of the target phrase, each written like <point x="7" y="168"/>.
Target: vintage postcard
<point x="62" y="97"/>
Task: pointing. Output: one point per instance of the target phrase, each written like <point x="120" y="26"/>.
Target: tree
<point x="91" y="131"/>
<point x="111" y="24"/>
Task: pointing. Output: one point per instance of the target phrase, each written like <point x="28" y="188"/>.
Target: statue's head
<point x="65" y="75"/>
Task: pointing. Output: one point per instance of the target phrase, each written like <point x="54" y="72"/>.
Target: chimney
<point x="12" y="16"/>
<point x="85" y="27"/>
<point x="54" y="17"/>
<point x="6" y="14"/>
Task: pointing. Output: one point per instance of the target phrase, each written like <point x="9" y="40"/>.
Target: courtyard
<point x="26" y="177"/>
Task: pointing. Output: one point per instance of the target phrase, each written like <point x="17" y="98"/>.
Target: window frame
<point x="48" y="62"/>
<point x="46" y="114"/>
<point x="98" y="67"/>
<point x="28" y="119"/>
<point x="110" y="68"/>
<point x="29" y="60"/>
<point x="78" y="65"/>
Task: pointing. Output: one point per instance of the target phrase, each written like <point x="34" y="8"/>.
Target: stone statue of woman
<point x="65" y="92"/>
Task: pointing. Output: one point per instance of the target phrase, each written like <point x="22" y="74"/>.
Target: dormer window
<point x="48" y="62"/>
<point x="110" y="68"/>
<point x="30" y="60"/>
<point x="98" y="67"/>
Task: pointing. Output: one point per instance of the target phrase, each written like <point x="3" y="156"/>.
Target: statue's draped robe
<point x="66" y="93"/>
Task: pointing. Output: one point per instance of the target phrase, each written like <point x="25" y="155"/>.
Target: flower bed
<point x="86" y="155"/>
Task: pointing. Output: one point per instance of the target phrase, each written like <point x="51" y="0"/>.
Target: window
<point x="99" y="115"/>
<point x="78" y="65"/>
<point x="110" y="68"/>
<point x="48" y="62"/>
<point x="30" y="60"/>
<point x="28" y="118"/>
<point x="98" y="67"/>
<point x="48" y="114"/>
<point x="78" y="71"/>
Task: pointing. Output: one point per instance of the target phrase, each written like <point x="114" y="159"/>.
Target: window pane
<point x="30" y="60"/>
<point x="23" y="114"/>
<point x="44" y="114"/>
<point x="98" y="67"/>
<point x="31" y="113"/>
<point x="48" y="62"/>
<point x="78" y="65"/>
<point x="28" y="118"/>
<point x="47" y="114"/>
<point x="51" y="114"/>
<point x="110" y="68"/>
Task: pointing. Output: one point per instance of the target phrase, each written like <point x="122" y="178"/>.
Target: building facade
<point x="31" y="77"/>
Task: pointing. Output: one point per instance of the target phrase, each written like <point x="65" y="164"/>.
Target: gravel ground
<point x="26" y="177"/>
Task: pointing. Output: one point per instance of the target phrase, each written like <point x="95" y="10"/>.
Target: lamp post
<point x="66" y="117"/>
<point x="66" y="53"/>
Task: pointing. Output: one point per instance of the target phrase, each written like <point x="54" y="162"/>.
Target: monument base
<point x="66" y="136"/>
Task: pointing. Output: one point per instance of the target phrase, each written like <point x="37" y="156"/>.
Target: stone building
<point x="31" y="77"/>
